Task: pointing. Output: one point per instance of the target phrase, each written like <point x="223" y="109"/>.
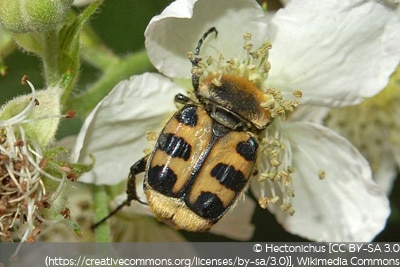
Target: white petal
<point x="386" y="172"/>
<point x="236" y="224"/>
<point x="311" y="113"/>
<point x="336" y="52"/>
<point x="115" y="132"/>
<point x="176" y="31"/>
<point x="345" y="206"/>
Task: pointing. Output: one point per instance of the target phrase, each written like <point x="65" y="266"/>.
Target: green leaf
<point x="69" y="46"/>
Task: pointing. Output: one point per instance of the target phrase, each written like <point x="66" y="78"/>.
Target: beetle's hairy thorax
<point x="234" y="102"/>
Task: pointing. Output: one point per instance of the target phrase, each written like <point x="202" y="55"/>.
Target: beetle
<point x="206" y="152"/>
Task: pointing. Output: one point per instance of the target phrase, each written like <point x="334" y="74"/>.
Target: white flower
<point x="332" y="51"/>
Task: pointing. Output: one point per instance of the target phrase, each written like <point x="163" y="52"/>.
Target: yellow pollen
<point x="209" y="60"/>
<point x="321" y="174"/>
<point x="275" y="162"/>
<point x="297" y="93"/>
<point x="263" y="202"/>
<point x="276" y="179"/>
<point x="217" y="81"/>
<point x="248" y="47"/>
<point x="190" y="56"/>
<point x="247" y="36"/>
<point x="266" y="66"/>
<point x="254" y="67"/>
<point x="151" y="136"/>
<point x="291" y="193"/>
<point x="274" y="199"/>
<point x="251" y="67"/>
<point x="268" y="103"/>
<point x="287" y="207"/>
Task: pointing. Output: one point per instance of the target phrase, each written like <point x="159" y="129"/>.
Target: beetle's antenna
<point x="127" y="202"/>
<point x="138" y="167"/>
<point x="195" y="60"/>
<point x="205" y="35"/>
<point x="123" y="204"/>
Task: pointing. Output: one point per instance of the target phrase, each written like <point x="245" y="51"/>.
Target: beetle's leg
<point x="138" y="167"/>
<point x="195" y="61"/>
<point x="182" y="99"/>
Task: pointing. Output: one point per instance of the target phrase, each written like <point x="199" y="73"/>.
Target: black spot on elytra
<point x="161" y="179"/>
<point x="187" y="115"/>
<point x="248" y="149"/>
<point x="229" y="177"/>
<point x="174" y="146"/>
<point x="208" y="205"/>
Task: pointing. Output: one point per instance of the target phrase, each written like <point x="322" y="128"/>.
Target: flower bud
<point x="39" y="114"/>
<point x="21" y="16"/>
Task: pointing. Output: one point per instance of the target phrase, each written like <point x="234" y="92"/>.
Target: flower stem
<point x="117" y="70"/>
<point x="50" y="56"/>
<point x="100" y="198"/>
<point x="94" y="52"/>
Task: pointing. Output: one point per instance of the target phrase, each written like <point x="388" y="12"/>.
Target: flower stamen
<point x="23" y="179"/>
<point x="276" y="179"/>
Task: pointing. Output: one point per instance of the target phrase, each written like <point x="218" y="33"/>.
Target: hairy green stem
<point x="116" y="72"/>
<point x="50" y="56"/>
<point x="101" y="200"/>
